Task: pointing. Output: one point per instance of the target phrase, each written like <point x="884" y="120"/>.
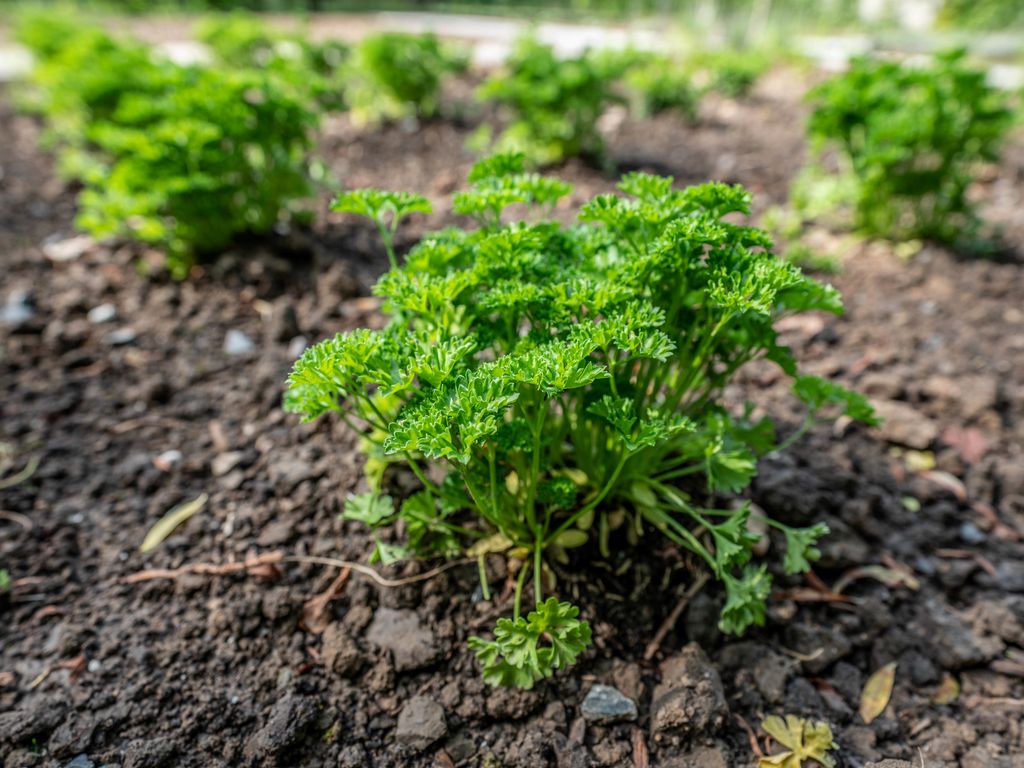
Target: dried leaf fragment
<point x="165" y="526"/>
<point x="804" y="740"/>
<point x="314" y="612"/>
<point x="890" y="577"/>
<point x="948" y="692"/>
<point x="874" y="698"/>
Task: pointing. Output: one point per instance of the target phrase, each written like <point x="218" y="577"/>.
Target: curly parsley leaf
<point x="530" y="649"/>
<point x="800" y="547"/>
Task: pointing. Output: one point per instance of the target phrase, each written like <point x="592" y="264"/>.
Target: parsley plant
<point x="392" y="76"/>
<point x="559" y="386"/>
<point x="180" y="157"/>
<point x="909" y="141"/>
<point x="553" y="104"/>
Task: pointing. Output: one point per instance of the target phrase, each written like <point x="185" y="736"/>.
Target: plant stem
<point x="517" y="603"/>
<point x="593" y="502"/>
<point x="538" y="586"/>
<point x="482" y="567"/>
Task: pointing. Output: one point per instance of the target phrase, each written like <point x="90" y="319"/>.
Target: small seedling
<point x="805" y="743"/>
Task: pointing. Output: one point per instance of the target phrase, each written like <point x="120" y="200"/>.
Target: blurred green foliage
<point x="740" y="19"/>
<point x="553" y="103"/>
<point x="392" y="76"/>
<point x="656" y="83"/>
<point x="909" y="139"/>
<point x="182" y="157"/>
<point x="312" y="70"/>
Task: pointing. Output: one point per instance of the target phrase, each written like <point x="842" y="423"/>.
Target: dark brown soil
<point x="208" y="670"/>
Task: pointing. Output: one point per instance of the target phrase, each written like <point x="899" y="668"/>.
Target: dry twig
<point x="260" y="565"/>
<point x="366" y="570"/>
<point x="313" y="612"/>
<point x="673" y="617"/>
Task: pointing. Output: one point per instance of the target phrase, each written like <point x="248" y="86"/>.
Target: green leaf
<point x="518" y="657"/>
<point x="497" y="166"/>
<point x="816" y="393"/>
<point x="800" y="549"/>
<point x="371" y="509"/>
<point x="380" y="205"/>
<point x="745" y="599"/>
<point x="388" y="554"/>
<point x="426" y="530"/>
<point x="733" y="540"/>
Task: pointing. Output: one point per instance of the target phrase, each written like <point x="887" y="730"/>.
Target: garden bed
<point x="179" y="394"/>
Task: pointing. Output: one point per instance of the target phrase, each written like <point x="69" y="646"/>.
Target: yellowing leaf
<point x="570" y="539"/>
<point x="805" y="741"/>
<point x="874" y="698"/>
<point x="499" y="542"/>
<point x="165" y="526"/>
<point x="586" y="520"/>
<point x="919" y="461"/>
<point x="948" y="692"/>
<point x="891" y="577"/>
<point x="578" y="476"/>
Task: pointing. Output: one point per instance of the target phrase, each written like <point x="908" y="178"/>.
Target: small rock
<point x="104" y="313"/>
<point x="802" y="697"/>
<point x="604" y="704"/>
<point x="460" y="747"/>
<point x="904" y="425"/>
<point x="72" y="737"/>
<point x="161" y="752"/>
<point x="890" y="764"/>
<point x="297" y="346"/>
<point x="67" y="249"/>
<point x="225" y="462"/>
<point x="341" y="654"/>
<point x="275" y="534"/>
<point x="882" y="384"/>
<point x="626" y="676"/>
<point x="237" y="343"/>
<point x="977" y="395"/>
<point x="822" y="645"/>
<point x="399" y="631"/>
<point x="1003" y="618"/>
<point x="861" y="741"/>
<point x="971" y="534"/>
<point x="770" y="674"/>
<point x="286" y="472"/>
<point x="18" y="310"/>
<point x="701" y="757"/>
<point x="420" y="723"/>
<point x="952" y="643"/>
<point x="690" y="700"/>
<point x="612" y="753"/>
<point x="284" y="323"/>
<point x="35" y="722"/>
<point x="291" y="716"/>
<point x="121" y="337"/>
<point x="81" y="761"/>
<point x="1011" y="575"/>
<point x="167" y="460"/>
